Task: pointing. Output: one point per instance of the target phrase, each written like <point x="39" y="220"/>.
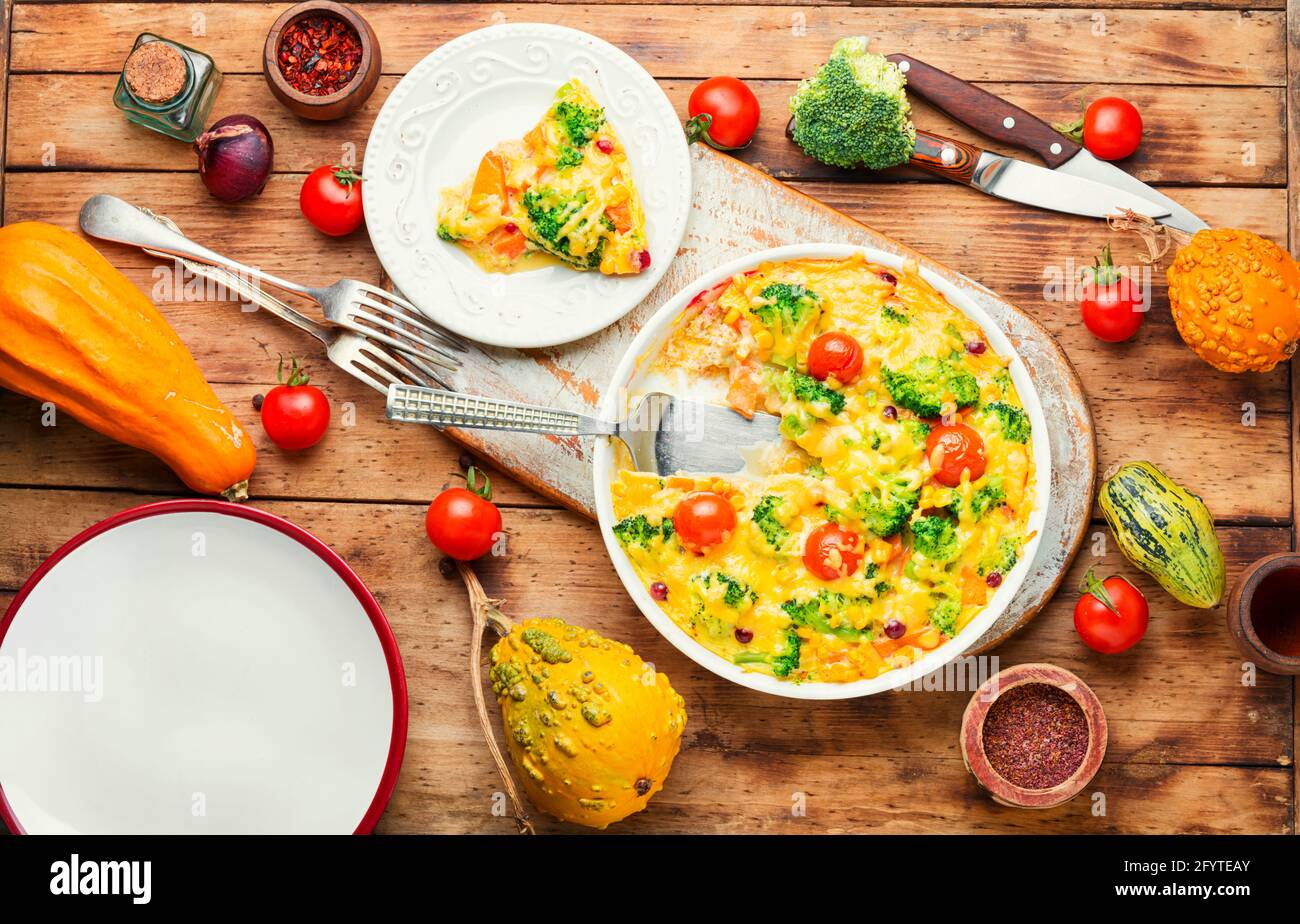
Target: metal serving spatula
<point x="664" y="433"/>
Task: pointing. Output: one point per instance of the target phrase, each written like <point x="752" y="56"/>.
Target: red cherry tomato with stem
<point x="832" y="551"/>
<point x="835" y="354"/>
<point x="953" y="449"/>
<point x="463" y="522"/>
<point x="724" y="113"/>
<point x="295" y="414"/>
<point x="1112" y="305"/>
<point x="1110" y="128"/>
<point x="1112" y="615"/>
<point x="704" y="519"/>
<point x="331" y="200"/>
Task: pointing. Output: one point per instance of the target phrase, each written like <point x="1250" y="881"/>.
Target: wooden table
<point x="1192" y="748"/>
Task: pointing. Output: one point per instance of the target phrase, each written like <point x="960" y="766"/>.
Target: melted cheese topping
<point x="552" y="193"/>
<point x="745" y="598"/>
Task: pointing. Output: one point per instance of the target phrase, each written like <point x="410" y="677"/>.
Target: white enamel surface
<point x="244" y="689"/>
<point x="633" y="377"/>
<point x="458" y="103"/>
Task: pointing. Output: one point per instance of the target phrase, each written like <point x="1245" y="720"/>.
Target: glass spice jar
<point x="167" y="86"/>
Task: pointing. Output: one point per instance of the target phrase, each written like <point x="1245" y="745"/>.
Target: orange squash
<point x="75" y="332"/>
<point x="1235" y="299"/>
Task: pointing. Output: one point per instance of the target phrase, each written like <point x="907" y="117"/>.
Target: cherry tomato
<point x="463" y="522"/>
<point x="730" y="109"/>
<point x="295" y="415"/>
<point x="331" y="200"/>
<point x="703" y="520"/>
<point x="953" y="450"/>
<point x="1112" y="128"/>
<point x="1111" y="305"/>
<point x="835" y="353"/>
<point x="1112" y="615"/>
<point x="832" y="551"/>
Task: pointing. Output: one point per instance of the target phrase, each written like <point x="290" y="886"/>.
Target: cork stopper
<point x="155" y="72"/>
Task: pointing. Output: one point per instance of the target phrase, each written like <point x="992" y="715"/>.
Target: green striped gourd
<point x="1166" y="531"/>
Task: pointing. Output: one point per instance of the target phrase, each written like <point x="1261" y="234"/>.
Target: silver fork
<point x="357" y="306"/>
<point x="355" y="354"/>
<point x="665" y="434"/>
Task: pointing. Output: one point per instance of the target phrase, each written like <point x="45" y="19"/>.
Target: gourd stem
<point x="486" y="612"/>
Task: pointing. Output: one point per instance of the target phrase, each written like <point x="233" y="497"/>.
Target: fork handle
<point x="412" y="404"/>
<point x="113" y="219"/>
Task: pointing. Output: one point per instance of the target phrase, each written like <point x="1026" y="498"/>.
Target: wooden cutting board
<point x="737" y="209"/>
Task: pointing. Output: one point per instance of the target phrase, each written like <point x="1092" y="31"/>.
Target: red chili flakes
<point x="319" y="55"/>
<point x="1035" y="736"/>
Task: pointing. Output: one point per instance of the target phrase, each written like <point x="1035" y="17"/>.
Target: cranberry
<point x="744" y="636"/>
<point x="890" y="412"/>
<point x="511" y="227"/>
<point x="889" y="277"/>
<point x="604" y="146"/>
<point x="994" y="579"/>
<point x="659" y="590"/>
<point x="895" y="629"/>
<point x="975" y="347"/>
<point x="643" y="258"/>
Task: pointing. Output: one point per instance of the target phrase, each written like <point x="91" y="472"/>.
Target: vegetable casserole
<point x="891" y="510"/>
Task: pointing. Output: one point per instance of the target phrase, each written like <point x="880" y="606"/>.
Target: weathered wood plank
<point x="1138" y="46"/>
<point x="1134" y="388"/>
<point x="1174" y="700"/>
<point x="1185" y="141"/>
<point x="1113" y="4"/>
<point x="6" y="14"/>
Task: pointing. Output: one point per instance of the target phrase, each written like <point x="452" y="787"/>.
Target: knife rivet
<point x="1055" y="148"/>
<point x="904" y="66"/>
<point x="948" y="154"/>
<point x="1008" y="122"/>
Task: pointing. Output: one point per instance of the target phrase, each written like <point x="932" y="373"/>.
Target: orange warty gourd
<point x="1235" y="298"/>
<point x="75" y="332"/>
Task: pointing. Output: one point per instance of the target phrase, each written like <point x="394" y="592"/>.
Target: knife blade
<point x="1085" y="165"/>
<point x="1019" y="181"/>
<point x="1030" y="184"/>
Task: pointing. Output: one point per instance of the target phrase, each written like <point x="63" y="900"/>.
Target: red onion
<point x="235" y="157"/>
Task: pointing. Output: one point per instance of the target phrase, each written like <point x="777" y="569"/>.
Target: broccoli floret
<point x="569" y="157"/>
<point x="918" y="430"/>
<point x="791" y="304"/>
<point x="854" y="112"/>
<point x="764" y="517"/>
<point x="807" y="389"/>
<point x="815" y="613"/>
<point x="549" y="210"/>
<point x="890" y="313"/>
<point x="782" y="662"/>
<point x="637" y="530"/>
<point x="944" y="615"/>
<point x="1002" y="379"/>
<point x="736" y="591"/>
<point x="1015" y="422"/>
<point x="1002" y="559"/>
<point x="445" y="233"/>
<point x="923" y="385"/>
<point x="985" y="498"/>
<point x="886" y="510"/>
<point x="580" y="123"/>
<point x="935" y="538"/>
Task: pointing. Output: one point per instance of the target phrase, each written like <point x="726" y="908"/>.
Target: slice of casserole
<point x="564" y="191"/>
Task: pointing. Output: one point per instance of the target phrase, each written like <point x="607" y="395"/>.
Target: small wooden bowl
<point x="972" y="736"/>
<point x="341" y="102"/>
<point x="1242" y="627"/>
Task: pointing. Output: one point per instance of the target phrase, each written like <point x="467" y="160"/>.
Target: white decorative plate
<point x="472" y="93"/>
<point x="197" y="667"/>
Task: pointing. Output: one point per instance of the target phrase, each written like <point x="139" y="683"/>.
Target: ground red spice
<point x="1035" y="736"/>
<point x="319" y="55"/>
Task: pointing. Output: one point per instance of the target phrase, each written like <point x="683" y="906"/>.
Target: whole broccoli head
<point x="1014" y="420"/>
<point x="854" y="112"/>
<point x="886" y="510"/>
<point x="926" y="382"/>
<point x="935" y="538"/>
